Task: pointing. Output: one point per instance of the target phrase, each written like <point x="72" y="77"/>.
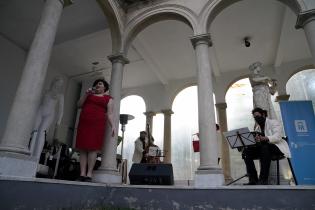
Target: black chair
<point x="277" y="158"/>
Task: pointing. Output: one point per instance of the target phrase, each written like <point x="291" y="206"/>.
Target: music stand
<point x="239" y="138"/>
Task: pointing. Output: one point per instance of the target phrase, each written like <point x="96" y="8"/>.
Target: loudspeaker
<point x="151" y="174"/>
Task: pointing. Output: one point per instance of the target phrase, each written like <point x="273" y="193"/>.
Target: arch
<point x="115" y="23"/>
<point x="184" y="126"/>
<point x="156" y="14"/>
<point x="295" y="71"/>
<point x="234" y="81"/>
<point x="213" y="8"/>
<point x="299" y="91"/>
<point x="180" y="89"/>
<point x="134" y="126"/>
<point x="138" y="95"/>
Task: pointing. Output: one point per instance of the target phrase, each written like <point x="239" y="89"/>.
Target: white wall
<point x="155" y="96"/>
<point x="12" y="60"/>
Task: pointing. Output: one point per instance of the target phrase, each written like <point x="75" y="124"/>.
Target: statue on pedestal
<point x="263" y="87"/>
<point x="50" y="109"/>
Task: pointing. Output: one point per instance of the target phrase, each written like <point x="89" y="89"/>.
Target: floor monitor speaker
<point x="151" y="174"/>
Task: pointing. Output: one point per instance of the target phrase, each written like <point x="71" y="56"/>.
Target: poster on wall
<point x="299" y="125"/>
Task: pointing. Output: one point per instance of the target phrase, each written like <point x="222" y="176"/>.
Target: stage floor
<point x="35" y="193"/>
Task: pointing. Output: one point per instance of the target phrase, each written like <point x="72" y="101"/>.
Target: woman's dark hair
<point x="259" y="110"/>
<point x="106" y="85"/>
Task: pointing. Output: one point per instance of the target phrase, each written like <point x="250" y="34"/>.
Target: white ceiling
<point x="162" y="52"/>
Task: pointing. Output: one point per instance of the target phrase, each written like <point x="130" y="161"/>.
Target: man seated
<point x="269" y="142"/>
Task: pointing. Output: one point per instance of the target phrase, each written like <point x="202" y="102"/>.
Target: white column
<point x="221" y="110"/>
<point x="306" y="20"/>
<point x="208" y="173"/>
<point x="14" y="144"/>
<point x="108" y="173"/>
<point x="167" y="146"/>
<point x="149" y="119"/>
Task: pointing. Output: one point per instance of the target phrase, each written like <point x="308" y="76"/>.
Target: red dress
<point x="92" y="123"/>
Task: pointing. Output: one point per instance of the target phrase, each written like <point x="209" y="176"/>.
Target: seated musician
<point x="268" y="142"/>
<point x="141" y="148"/>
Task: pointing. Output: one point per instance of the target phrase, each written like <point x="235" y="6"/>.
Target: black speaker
<point x="151" y="174"/>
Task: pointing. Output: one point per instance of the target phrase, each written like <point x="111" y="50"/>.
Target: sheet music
<point x="239" y="137"/>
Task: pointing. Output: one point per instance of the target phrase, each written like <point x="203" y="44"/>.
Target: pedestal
<point x="107" y="176"/>
<point x="12" y="164"/>
<point x="209" y="178"/>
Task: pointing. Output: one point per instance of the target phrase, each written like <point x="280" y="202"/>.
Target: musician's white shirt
<point x="137" y="155"/>
<point x="273" y="130"/>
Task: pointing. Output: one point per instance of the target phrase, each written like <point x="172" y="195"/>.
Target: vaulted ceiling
<point x="162" y="52"/>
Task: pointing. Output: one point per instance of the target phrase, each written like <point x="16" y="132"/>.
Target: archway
<point x="301" y="86"/>
<point x="114" y="22"/>
<point x="214" y="8"/>
<point x="150" y="17"/>
<point x="239" y="99"/>
<point x="184" y="128"/>
<point x="133" y="105"/>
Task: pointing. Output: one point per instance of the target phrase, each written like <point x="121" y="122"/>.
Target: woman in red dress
<point x="97" y="111"/>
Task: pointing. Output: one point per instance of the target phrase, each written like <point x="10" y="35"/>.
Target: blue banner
<point x="299" y="125"/>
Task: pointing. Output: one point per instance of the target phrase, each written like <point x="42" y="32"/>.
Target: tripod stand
<point x="240" y="139"/>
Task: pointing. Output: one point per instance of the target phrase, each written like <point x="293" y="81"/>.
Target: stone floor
<point x="35" y="193"/>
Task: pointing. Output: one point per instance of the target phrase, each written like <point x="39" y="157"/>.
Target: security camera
<point x="246" y="42"/>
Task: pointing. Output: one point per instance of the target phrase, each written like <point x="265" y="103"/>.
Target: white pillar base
<point x="107" y="176"/>
<point x="17" y="165"/>
<point x="209" y="178"/>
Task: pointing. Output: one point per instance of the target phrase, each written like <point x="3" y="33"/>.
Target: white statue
<point x="50" y="109"/>
<point x="263" y="87"/>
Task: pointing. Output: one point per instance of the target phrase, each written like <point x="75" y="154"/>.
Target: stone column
<point x="14" y="151"/>
<point x="221" y="110"/>
<point x="167" y="147"/>
<point x="108" y="173"/>
<point x="149" y="119"/>
<point x="306" y="20"/>
<point x="208" y="173"/>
